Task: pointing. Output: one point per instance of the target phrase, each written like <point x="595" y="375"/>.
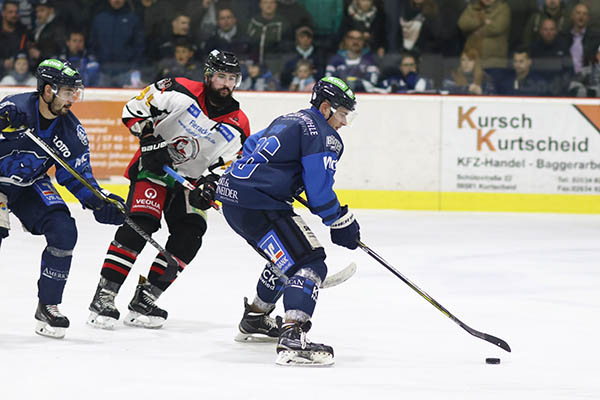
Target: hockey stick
<point x="489" y="338"/>
<point x="172" y="262"/>
<point x="330" y="281"/>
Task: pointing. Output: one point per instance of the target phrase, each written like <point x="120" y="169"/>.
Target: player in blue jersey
<point x="297" y="152"/>
<point x="26" y="189"/>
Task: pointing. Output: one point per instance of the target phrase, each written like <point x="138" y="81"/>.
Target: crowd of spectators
<point x="480" y="47"/>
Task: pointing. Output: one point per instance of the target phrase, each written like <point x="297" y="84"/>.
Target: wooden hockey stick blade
<point x="340" y="276"/>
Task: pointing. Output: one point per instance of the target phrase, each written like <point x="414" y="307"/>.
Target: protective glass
<point x="343" y="115"/>
<point x="71" y="94"/>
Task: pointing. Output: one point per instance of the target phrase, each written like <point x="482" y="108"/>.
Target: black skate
<point x="51" y="322"/>
<point x="294" y="348"/>
<point x="142" y="310"/>
<point x="104" y="313"/>
<point x="257" y="326"/>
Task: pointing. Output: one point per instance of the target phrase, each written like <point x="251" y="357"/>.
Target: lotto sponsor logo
<point x="61" y="146"/>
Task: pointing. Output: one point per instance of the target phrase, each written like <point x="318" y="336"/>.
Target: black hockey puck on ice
<point x="492" y="361"/>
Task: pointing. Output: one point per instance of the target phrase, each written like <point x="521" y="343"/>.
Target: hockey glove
<point x="204" y="195"/>
<point x="12" y="120"/>
<point x="109" y="213"/>
<point x="142" y="128"/>
<point x="345" y="231"/>
<point x="155" y="154"/>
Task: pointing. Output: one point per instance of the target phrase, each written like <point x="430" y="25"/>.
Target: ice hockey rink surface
<point x="530" y="279"/>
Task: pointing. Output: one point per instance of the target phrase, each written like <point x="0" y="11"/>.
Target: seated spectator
<point x="327" y="16"/>
<point x="120" y="60"/>
<point x="583" y="41"/>
<point x="269" y="32"/>
<point x="76" y="53"/>
<point x="257" y="77"/>
<point x="550" y="55"/>
<point x="407" y="79"/>
<point x="366" y="15"/>
<point x="486" y="25"/>
<point x="182" y="64"/>
<point x="48" y="37"/>
<point x="553" y="9"/>
<point x="303" y="77"/>
<point x="421" y="26"/>
<point x="13" y="35"/>
<point x="228" y="35"/>
<point x="587" y="82"/>
<point x="354" y="64"/>
<point x="522" y="80"/>
<point x="180" y="29"/>
<point x="19" y="75"/>
<point x="469" y="77"/>
<point x="305" y="50"/>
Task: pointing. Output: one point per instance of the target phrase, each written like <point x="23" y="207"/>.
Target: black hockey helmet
<point x="334" y="90"/>
<point x="57" y="74"/>
<point x="222" y="61"/>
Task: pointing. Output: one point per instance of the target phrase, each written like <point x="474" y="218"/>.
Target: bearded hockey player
<point x="297" y="152"/>
<point x="26" y="189"/>
<point x="195" y="127"/>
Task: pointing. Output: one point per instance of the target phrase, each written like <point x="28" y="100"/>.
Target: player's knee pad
<point x="60" y="230"/>
<point x="186" y="238"/>
<point x="300" y="294"/>
<point x="129" y="238"/>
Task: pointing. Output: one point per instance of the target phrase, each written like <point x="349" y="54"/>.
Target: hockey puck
<point x="492" y="361"/>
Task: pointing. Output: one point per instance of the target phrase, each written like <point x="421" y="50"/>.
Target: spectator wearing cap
<point x="48" y="37"/>
<point x="304" y="50"/>
<point x="19" y="75"/>
<point x="366" y="15"/>
<point x="85" y="62"/>
<point x="587" y="82"/>
<point x="181" y="64"/>
<point x="228" y="36"/>
<point x="117" y="39"/>
<point x="13" y="35"/>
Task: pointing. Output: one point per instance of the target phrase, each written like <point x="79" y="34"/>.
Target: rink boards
<point x="420" y="152"/>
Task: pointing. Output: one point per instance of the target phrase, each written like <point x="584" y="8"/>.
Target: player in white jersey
<point x="195" y="127"/>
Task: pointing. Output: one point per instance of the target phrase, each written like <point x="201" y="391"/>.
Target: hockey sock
<point x="270" y="287"/>
<point x="118" y="262"/>
<point x="300" y="295"/>
<point x="54" y="273"/>
<point x="157" y="269"/>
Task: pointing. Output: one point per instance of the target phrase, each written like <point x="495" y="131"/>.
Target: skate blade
<point x="54" y="332"/>
<point x="138" y="320"/>
<point x="304" y="358"/>
<point x="101" y="321"/>
<point x="254" y="338"/>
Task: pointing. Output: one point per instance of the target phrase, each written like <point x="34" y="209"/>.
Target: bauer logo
<point x="195" y="111"/>
<point x="273" y="248"/>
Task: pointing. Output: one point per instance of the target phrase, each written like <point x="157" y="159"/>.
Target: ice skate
<point x="256" y="326"/>
<point x="104" y="313"/>
<point x="51" y="322"/>
<point x="143" y="312"/>
<point x="294" y="348"/>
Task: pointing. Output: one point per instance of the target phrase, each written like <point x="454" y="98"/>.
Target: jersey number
<point x="265" y="148"/>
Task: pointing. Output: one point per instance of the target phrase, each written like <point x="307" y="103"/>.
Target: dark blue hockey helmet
<point x="334" y="90"/>
<point x="59" y="74"/>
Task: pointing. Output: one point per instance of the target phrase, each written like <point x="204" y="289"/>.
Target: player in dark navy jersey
<point x="26" y="189"/>
<point x="297" y="152"/>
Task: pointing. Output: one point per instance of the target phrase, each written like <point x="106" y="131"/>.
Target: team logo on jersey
<point x="164" y="84"/>
<point x="272" y="247"/>
<point x="194" y="110"/>
<point x="22" y="166"/>
<point x="82" y="135"/>
<point x="183" y="148"/>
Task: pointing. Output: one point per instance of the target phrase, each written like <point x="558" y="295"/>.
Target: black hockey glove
<point x="345" y="231"/>
<point x="12" y="117"/>
<point x="204" y="195"/>
<point x="154" y="154"/>
<point x="110" y="213"/>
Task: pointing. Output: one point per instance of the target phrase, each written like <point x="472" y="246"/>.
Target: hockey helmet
<point x="60" y="74"/>
<point x="222" y="61"/>
<point x="334" y="90"/>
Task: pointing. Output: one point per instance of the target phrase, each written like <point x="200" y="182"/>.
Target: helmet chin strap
<point x="49" y="104"/>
